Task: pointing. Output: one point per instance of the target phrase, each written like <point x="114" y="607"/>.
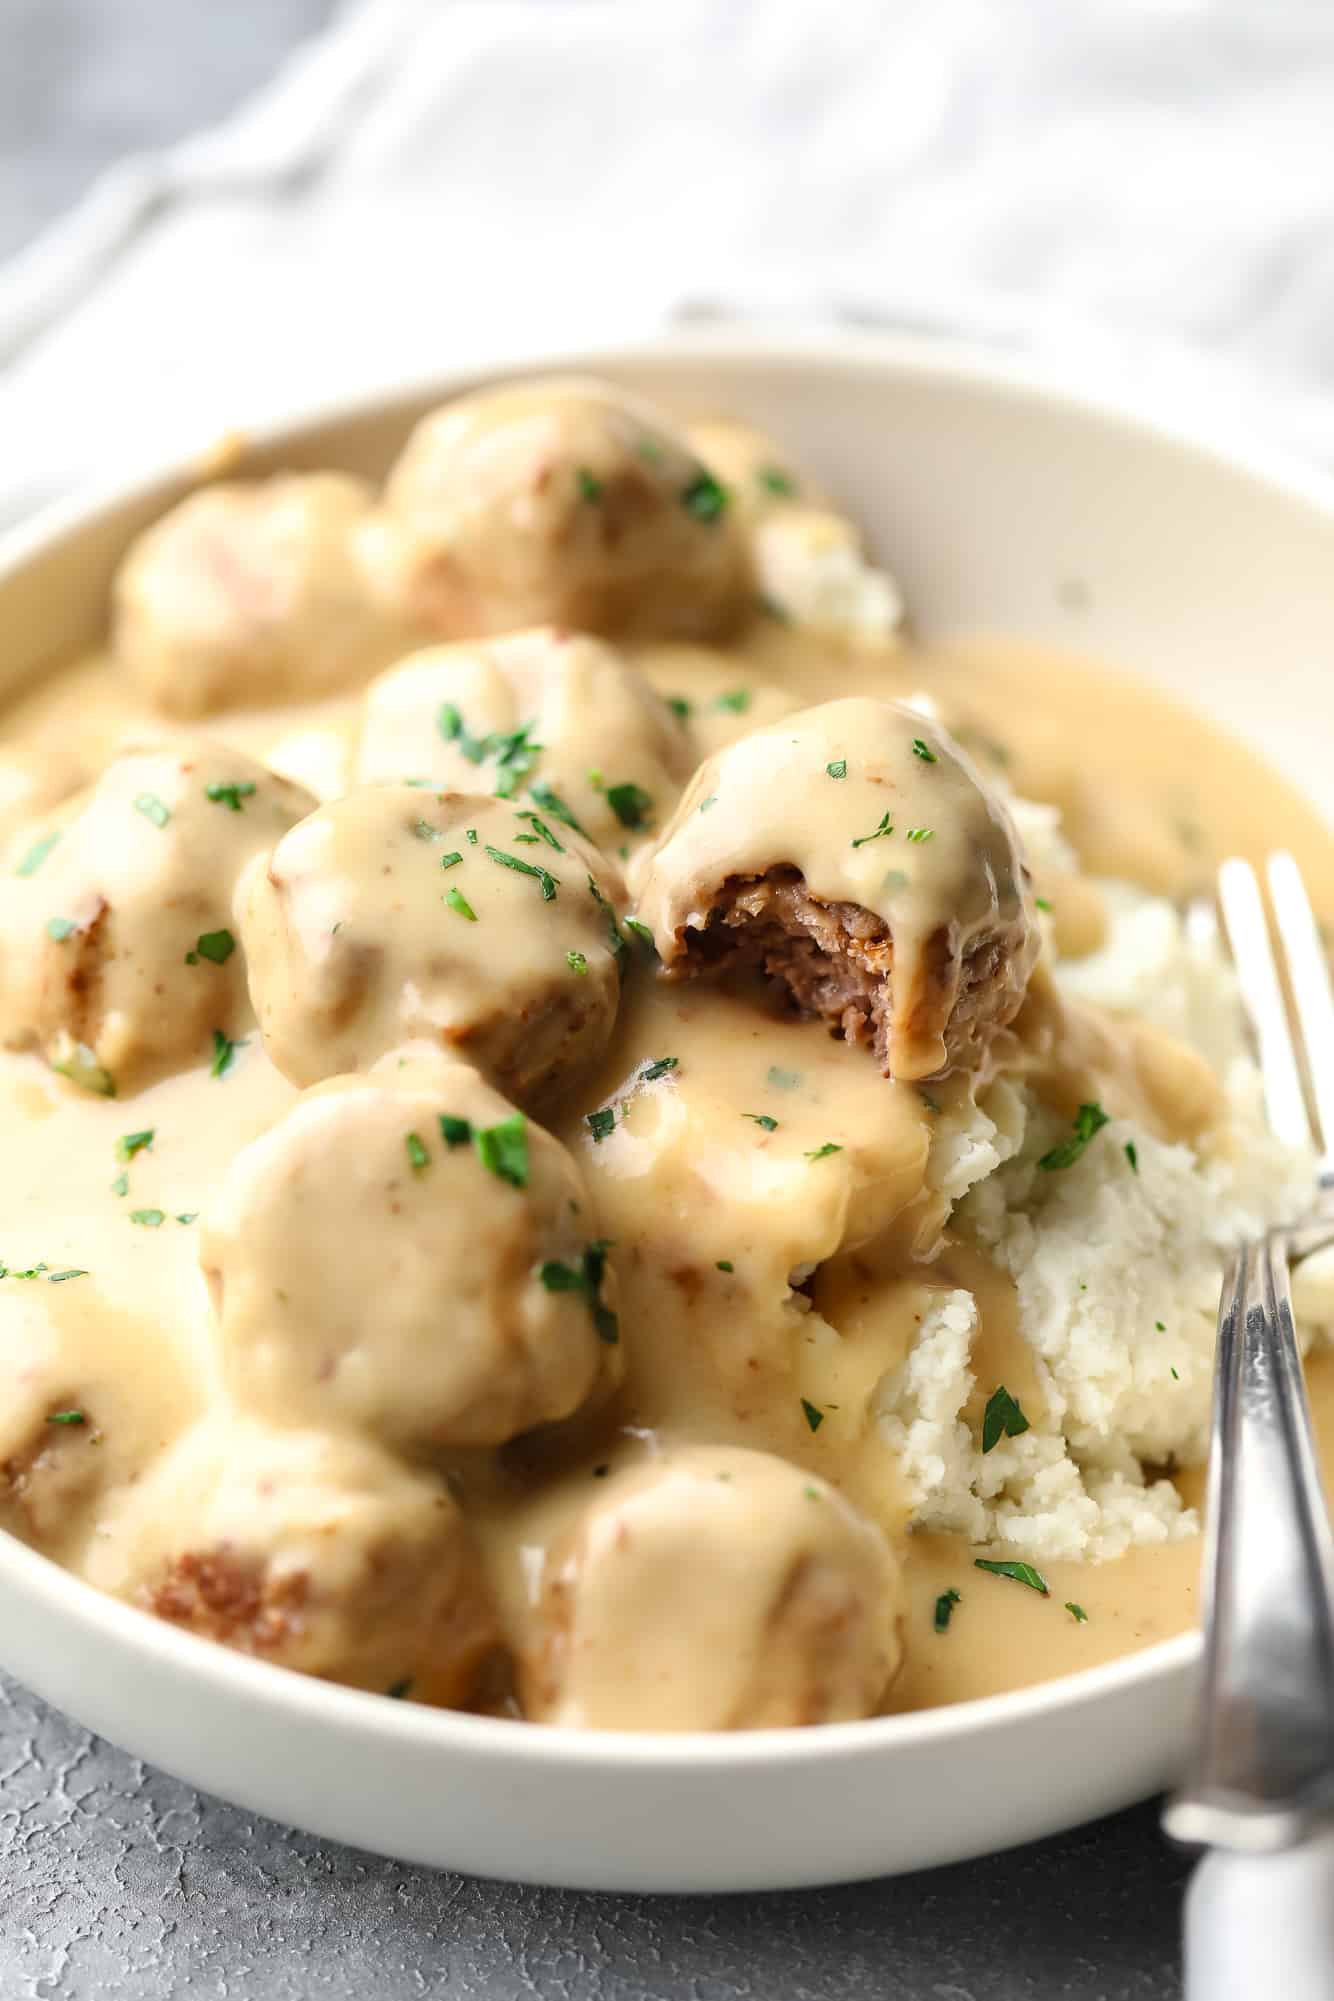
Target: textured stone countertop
<point x="116" y="1881"/>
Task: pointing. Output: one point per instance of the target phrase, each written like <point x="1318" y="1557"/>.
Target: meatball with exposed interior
<point x="407" y="1254"/>
<point x="316" y="1551"/>
<point x="563" y="501"/>
<point x="714" y="1589"/>
<point x="117" y="960"/>
<point x="546" y="717"/>
<point x="255" y="591"/>
<point x="852" y="854"/>
<point x="396" y="915"/>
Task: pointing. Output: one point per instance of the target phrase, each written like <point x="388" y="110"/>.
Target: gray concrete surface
<point x="116" y="1881"/>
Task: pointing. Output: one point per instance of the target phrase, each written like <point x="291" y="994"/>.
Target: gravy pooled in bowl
<point x="620" y="1142"/>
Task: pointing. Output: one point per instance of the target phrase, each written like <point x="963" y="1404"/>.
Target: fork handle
<point x="1263" y="1773"/>
<point x="1262" y="1925"/>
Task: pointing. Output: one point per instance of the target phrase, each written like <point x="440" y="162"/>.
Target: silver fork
<point x="1262" y="1775"/>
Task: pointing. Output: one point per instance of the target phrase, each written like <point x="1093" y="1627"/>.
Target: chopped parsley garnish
<point x="60" y="928"/>
<point x="590" y="486"/>
<point x="945" y="1605"/>
<point x="919" y="834"/>
<point x="1022" y="1573"/>
<point x="631" y="804"/>
<point x="458" y="901"/>
<point x="152" y="808"/>
<point x="224" y="1054"/>
<point x="601" y="1123"/>
<point x="78" y="1062"/>
<point x="774" y="480"/>
<point x="839" y="769"/>
<point x="1077" y="1612"/>
<point x="705" y="804"/>
<point x="121" y="1184"/>
<point x="813" y="1414"/>
<point x="642" y="932"/>
<point x="736" y="701"/>
<point x="585" y="1278"/>
<point x="150" y="1219"/>
<point x="551" y="802"/>
<point x="216" y="946"/>
<point x="1042" y="902"/>
<point x="454" y="1131"/>
<point x="425" y="831"/>
<point x="614" y="939"/>
<point x="576" y="962"/>
<point x="650" y="451"/>
<point x="704" y="497"/>
<point x="188" y="1216"/>
<point x="503" y="1149"/>
<point x="724" y="1264"/>
<point x="762" y="1119"/>
<point x="541" y="829"/>
<point x="784" y="1080"/>
<point x="1132" y="1155"/>
<point x="1175" y="1377"/>
<point x="652" y="1071"/>
<point x="229" y="796"/>
<point x="452" y="859"/>
<point x="70" y="1271"/>
<point x="542" y="876"/>
<point x="514" y="754"/>
<point x="418" y="1158"/>
<point x="67" y="1416"/>
<point x="131" y="1143"/>
<point x="924" y="751"/>
<point x="1161" y="1326"/>
<point x="823" y="1152"/>
<point x="37" y="854"/>
<point x="470" y="835"/>
<point x="449" y="722"/>
<point x="886" y="827"/>
<point x="1088" y="1120"/>
<point x="1003" y="1418"/>
<point x="679" y="707"/>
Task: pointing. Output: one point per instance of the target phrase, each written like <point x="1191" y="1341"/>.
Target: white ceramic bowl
<point x="1203" y="569"/>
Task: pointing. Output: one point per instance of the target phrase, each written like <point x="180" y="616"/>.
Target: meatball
<point x="809" y="561"/>
<point x="407" y="1254"/>
<point x="316" y="1551"/>
<point x="565" y="501"/>
<point x="852" y="853"/>
<point x="553" y="717"/>
<point x="395" y="915"/>
<point x="117" y="962"/>
<point x="254" y="592"/>
<point x="714" y="1589"/>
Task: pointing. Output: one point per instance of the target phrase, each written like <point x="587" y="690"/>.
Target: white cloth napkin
<point x="1144" y="185"/>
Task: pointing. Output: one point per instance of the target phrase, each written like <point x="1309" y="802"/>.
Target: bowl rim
<point x="966" y="365"/>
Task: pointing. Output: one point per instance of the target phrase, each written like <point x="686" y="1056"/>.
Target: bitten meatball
<point x="714" y="1589"/>
<point x="564" y="501"/>
<point x="809" y="561"/>
<point x="117" y="961"/>
<point x="254" y="592"/>
<point x="546" y="717"/>
<point x="853" y="854"/>
<point x="394" y="915"/>
<point x="407" y="1254"/>
<point x="316" y="1551"/>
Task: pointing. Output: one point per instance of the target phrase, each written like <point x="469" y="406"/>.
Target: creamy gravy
<point x="728" y="1339"/>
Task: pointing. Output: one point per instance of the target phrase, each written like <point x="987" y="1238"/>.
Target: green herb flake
<point x="544" y="878"/>
<point x="470" y="835"/>
<point x="425" y="831"/>
<point x="1131" y="1155"/>
<point x="725" y="1264"/>
<point x="216" y="946"/>
<point x="67" y="1416"/>
<point x="813" y="1414"/>
<point x="585" y="1278"/>
<point x="1088" y="1120"/>
<point x="452" y="859"/>
<point x="188" y="1216"/>
<point x="79" y="1063"/>
<point x="1003" y="1418"/>
<point x="919" y="834"/>
<point x="924" y="751"/>
<point x="60" y="928"/>
<point x="945" y="1605"/>
<point x="149" y="1219"/>
<point x="37" y="854"/>
<point x="885" y="828"/>
<point x="577" y="963"/>
<point x="762" y="1119"/>
<point x="705" y="804"/>
<point x="454" y="1131"/>
<point x="152" y="808"/>
<point x="1077" y="1612"/>
<point x="459" y="902"/>
<point x="1043" y="903"/>
<point x="783" y="1080"/>
<point x="735" y="702"/>
<point x="1161" y="1326"/>
<point x="774" y="480"/>
<point x="229" y="796"/>
<point x="121" y="1184"/>
<point x="131" y="1143"/>
<point x="616" y="943"/>
<point x="601" y="1123"/>
<point x="1022" y="1573"/>
<point x="839" y="768"/>
<point x="418" y="1158"/>
<point x="70" y="1271"/>
<point x="705" y="498"/>
<point x="224" y="1054"/>
<point x="551" y="802"/>
<point x="642" y="932"/>
<point x="679" y="707"/>
<point x="631" y="804"/>
<point x="1175" y="1377"/>
<point x="590" y="486"/>
<point x="652" y="1071"/>
<point x="542" y="830"/>
<point x="503" y="1149"/>
<point x="822" y="1152"/>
